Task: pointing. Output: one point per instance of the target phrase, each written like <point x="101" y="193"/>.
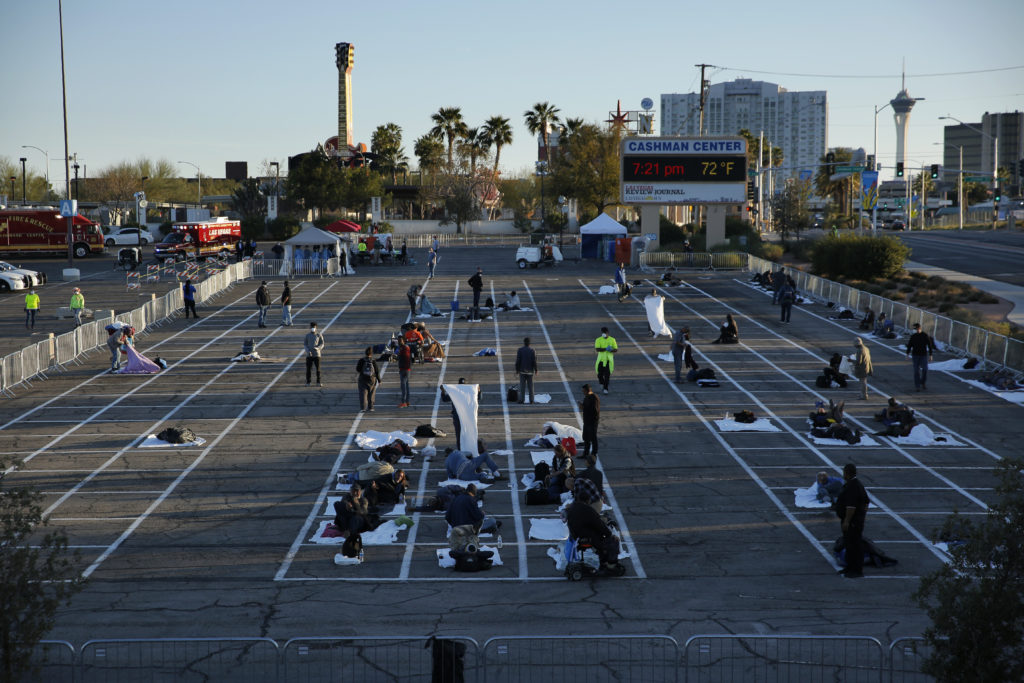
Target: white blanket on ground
<point x="444" y="556"/>
<point x="502" y="452"/>
<point x="385" y="534"/>
<point x="564" y="431"/>
<point x="404" y="460"/>
<point x="667" y="357"/>
<point x="1016" y="396"/>
<point x="464" y="400"/>
<point x="542" y="456"/>
<point x="342" y="561"/>
<point x="952" y="365"/>
<point x="922" y="435"/>
<point x="152" y="442"/>
<point x="397" y="511"/>
<point x="548" y="529"/>
<point x="761" y="424"/>
<point x="808" y="498"/>
<point x="463" y="484"/>
<point x="542" y="398"/>
<point x="865" y="440"/>
<point x="608" y="289"/>
<point x="655" y="306"/>
<point x="372" y="439"/>
<point x="528" y="480"/>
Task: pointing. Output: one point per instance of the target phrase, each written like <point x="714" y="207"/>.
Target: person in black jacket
<point x="591" y="409"/>
<point x="584" y="523"/>
<point x="477" y="283"/>
<point x="852" y="508"/>
<point x="526" y="366"/>
<point x="262" y="303"/>
<point x="920" y="348"/>
<point x="369" y="377"/>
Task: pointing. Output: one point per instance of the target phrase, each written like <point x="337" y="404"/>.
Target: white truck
<point x="546" y="252"/>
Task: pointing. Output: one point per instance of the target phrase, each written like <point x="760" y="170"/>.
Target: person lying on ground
<point x="823" y="416"/>
<point x="463" y="466"/>
<point x="898" y="418"/>
<point x="388" y="489"/>
<point x="586" y="524"/>
<point x="369" y="471"/>
<point x="828" y="487"/>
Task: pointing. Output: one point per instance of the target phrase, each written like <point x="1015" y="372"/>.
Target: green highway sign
<point x="978" y="179"/>
<point x="751" y="173"/>
<point x="849" y="169"/>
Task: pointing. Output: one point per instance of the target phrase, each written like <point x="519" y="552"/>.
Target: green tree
<point x="386" y="143"/>
<point x="588" y="168"/>
<point x="975" y="193"/>
<point x="316" y="182"/>
<point x="541" y="119"/>
<point x="429" y="149"/>
<point x="474" y="145"/>
<point x="36" y="189"/>
<point x="570" y="127"/>
<point x="249" y="199"/>
<point x="522" y="195"/>
<point x="448" y="124"/>
<point x="789" y="208"/>
<point x="769" y="157"/>
<point x="498" y="132"/>
<point x="839" y="190"/>
<point x="976" y="601"/>
<point x="358" y="186"/>
<point x="37" y="576"/>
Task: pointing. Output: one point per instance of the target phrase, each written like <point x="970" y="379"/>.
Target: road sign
<point x="849" y="169"/>
<point x="978" y="179"/>
<point x="68" y="207"/>
<point x="751" y="173"/>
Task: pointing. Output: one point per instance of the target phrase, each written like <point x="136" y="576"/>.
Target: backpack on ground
<point x="537" y="496"/>
<point x="846" y="314"/>
<point x="248" y="345"/>
<point x="512" y="396"/>
<point x="691" y="376"/>
<point x="822" y="382"/>
<point x="352" y="546"/>
<point x="540" y="471"/>
<point x="429" y="432"/>
<point x="971" y="364"/>
<point x="706" y="373"/>
<point x="476" y="561"/>
<point x="745" y="417"/>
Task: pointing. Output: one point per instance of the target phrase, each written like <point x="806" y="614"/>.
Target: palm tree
<point x="448" y="124"/>
<point x="474" y="144"/>
<point x="571" y="127"/>
<point x="430" y="151"/>
<point x="499" y="133"/>
<point x="540" y="119"/>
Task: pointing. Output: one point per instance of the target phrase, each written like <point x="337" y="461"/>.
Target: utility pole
<point x="703" y="91"/>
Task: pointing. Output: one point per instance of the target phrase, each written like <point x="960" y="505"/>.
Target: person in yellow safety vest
<point x="31" y="308"/>
<point x="606" y="347"/>
<point x="77" y="306"/>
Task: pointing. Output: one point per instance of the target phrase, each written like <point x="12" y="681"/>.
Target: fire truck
<point x="44" y="230"/>
<point x="199" y="239"/>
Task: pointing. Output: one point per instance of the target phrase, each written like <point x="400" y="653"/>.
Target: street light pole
<point x="47" y="155"/>
<point x="277" y="185"/>
<point x="874" y="153"/>
<point x="995" y="163"/>
<point x="76" y="167"/>
<point x="23" y="194"/>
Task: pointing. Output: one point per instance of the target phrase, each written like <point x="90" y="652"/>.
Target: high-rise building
<point x="901" y="106"/>
<point x="796" y="122"/>
<point x="979" y="140"/>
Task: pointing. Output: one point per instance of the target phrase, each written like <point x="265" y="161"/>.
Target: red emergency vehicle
<point x="44" y="230"/>
<point x="199" y="240"/>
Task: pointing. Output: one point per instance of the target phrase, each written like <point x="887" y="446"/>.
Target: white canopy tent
<point x="310" y="235"/>
<point x="603" y="225"/>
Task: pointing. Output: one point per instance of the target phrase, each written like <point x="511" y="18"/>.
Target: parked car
<point x="13" y="278"/>
<point x="129" y="237"/>
<point x="898" y="225"/>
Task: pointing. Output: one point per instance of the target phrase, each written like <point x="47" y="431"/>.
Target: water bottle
<point x="499" y="541"/>
<point x="360" y="555"/>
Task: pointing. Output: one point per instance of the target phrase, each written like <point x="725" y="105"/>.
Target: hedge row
<point x="858" y="257"/>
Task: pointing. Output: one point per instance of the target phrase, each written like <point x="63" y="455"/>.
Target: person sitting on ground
<point x="586" y="524"/>
<point x="386" y="489"/>
<point x="868" y="321"/>
<point x="369" y="471"/>
<point x="463" y="511"/>
<point x="588" y="485"/>
<point x="729" y="333"/>
<point x="464" y="466"/>
<point x="414" y="338"/>
<point x="443" y="497"/>
<point x="512" y="303"/>
<point x="828" y="488"/>
<point x="432" y="349"/>
<point x="670" y="279"/>
<point x="823" y="415"/>
<point x="352" y="512"/>
<point x="897" y="417"/>
<point x="559" y="479"/>
<point x="832" y="373"/>
<point x="884" y="327"/>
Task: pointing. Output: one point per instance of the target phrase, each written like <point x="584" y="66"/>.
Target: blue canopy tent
<point x="598" y="232"/>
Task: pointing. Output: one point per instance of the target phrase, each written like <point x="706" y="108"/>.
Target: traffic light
<point x="830" y="160"/>
<point x="998" y="196"/>
<point x="871" y="162"/>
<point x="935" y="171"/>
<point x="751" y="191"/>
<point x="899" y="169"/>
<point x="1020" y="169"/>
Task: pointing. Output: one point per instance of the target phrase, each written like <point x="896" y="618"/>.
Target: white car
<point x="129" y="237"/>
<point x="13" y="278"/>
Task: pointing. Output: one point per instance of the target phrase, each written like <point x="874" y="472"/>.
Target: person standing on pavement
<point x="77" y="305"/>
<point x="606" y="348"/>
<point x="590" y="406"/>
<point x="31" y="308"/>
<point x="436" y="245"/>
<point x="920" y="348"/>
<point x="413" y="295"/>
<point x="431" y="263"/>
<point x="862" y="368"/>
<point x="852" y="509"/>
<point x="404" y="354"/>
<point x="286" y="305"/>
<point x="188" y="296"/>
<point x="262" y="304"/>
<point x="526" y="366"/>
<point x="682" y="352"/>
<point x="369" y="377"/>
<point x="476" y="281"/>
<point x="314" y="345"/>
<point x="621" y="283"/>
<point x="787" y="297"/>
<point x="278" y="250"/>
<point x="114" y="344"/>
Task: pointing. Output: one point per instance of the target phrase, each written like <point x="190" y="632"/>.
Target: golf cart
<point x="545" y="251"/>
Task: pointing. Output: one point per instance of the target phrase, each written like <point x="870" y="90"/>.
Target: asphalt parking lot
<point x="216" y="540"/>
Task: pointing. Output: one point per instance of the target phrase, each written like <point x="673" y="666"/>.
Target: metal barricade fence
<point x="55" y="660"/>
<point x="370" y="658"/>
<point x="996" y="349"/>
<point x="768" y="658"/>
<point x="180" y="660"/>
<point x="582" y="659"/>
<point x="905" y="658"/>
<point x="67" y="347"/>
<point x="30" y="365"/>
<point x="10" y="371"/>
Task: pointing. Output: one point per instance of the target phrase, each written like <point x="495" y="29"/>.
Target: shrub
<point x="856" y="256"/>
<point x="771" y="252"/>
<point x="670" y="232"/>
<point x="987" y="298"/>
<point x="906" y="289"/>
<point x="946" y="306"/>
<point x="253" y="227"/>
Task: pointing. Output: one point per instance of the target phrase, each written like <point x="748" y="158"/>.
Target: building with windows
<point x="796" y="122"/>
<point x="978" y="141"/>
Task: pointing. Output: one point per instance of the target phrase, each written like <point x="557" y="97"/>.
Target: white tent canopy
<point x="603" y="225"/>
<point x="311" y="235"/>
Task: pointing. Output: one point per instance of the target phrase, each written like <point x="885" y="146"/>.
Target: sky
<point x="231" y="80"/>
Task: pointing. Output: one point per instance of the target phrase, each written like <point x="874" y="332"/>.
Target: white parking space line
<point x="627" y="539"/>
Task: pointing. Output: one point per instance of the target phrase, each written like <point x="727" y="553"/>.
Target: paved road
<point x="216" y="540"/>
<point x="996" y="255"/>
